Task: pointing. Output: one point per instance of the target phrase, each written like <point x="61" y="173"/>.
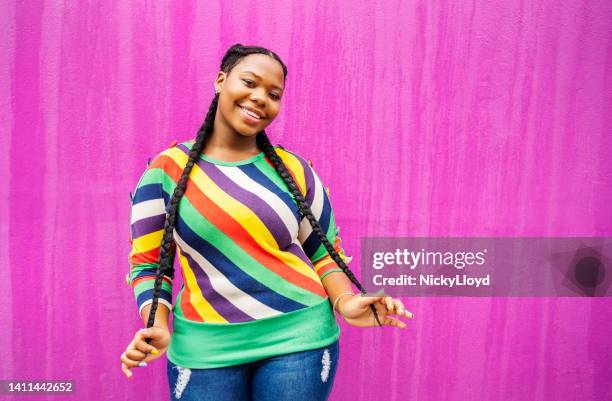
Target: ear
<point x="220" y="80"/>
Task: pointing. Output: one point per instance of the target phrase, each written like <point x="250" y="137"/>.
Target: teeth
<point x="250" y="113"/>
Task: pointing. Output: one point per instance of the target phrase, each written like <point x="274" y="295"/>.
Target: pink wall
<point x="424" y="118"/>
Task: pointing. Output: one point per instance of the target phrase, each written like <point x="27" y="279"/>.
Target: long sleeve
<point x="318" y="199"/>
<point x="147" y="218"/>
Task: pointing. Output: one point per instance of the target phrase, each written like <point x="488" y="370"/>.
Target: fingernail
<point x="142" y="364"/>
<point x="154" y="351"/>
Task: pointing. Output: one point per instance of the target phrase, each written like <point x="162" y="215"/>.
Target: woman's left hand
<point x="357" y="312"/>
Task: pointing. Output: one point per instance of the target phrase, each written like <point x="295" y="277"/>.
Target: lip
<point x="253" y="110"/>
<point x="247" y="118"/>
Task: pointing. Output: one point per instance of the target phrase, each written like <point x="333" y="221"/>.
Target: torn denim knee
<point x="325" y="365"/>
<point x="181" y="381"/>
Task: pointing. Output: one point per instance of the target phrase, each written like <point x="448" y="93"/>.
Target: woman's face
<point x="250" y="95"/>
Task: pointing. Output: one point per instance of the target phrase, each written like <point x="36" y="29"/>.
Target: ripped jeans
<point x="299" y="376"/>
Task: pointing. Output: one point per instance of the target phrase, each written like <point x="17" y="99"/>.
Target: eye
<point x="248" y="83"/>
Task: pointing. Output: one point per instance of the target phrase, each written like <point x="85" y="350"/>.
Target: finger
<point x="389" y="304"/>
<point x="391" y="321"/>
<point x="365" y="300"/>
<point x="145" y="348"/>
<point x="143" y="356"/>
<point x="142" y="334"/>
<point x="142" y="339"/>
<point x="401" y="310"/>
<point x="399" y="307"/>
<point x="372" y="298"/>
<point x="129" y="362"/>
<point x="381" y="311"/>
<point x="126" y="370"/>
<point x="382" y="301"/>
<point x="136" y="355"/>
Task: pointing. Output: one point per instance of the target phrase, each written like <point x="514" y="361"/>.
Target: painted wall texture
<point x="425" y="118"/>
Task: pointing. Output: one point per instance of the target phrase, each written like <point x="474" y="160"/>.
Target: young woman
<point x="260" y="255"/>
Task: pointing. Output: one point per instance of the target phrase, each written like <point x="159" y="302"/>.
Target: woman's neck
<point x="229" y="151"/>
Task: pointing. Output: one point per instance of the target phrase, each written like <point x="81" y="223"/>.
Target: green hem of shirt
<point x="201" y="345"/>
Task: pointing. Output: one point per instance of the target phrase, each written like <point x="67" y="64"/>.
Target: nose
<point x="257" y="97"/>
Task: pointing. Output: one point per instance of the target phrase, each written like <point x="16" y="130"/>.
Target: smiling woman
<point x="261" y="259"/>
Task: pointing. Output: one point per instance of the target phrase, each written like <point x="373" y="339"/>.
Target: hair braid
<point x="305" y="211"/>
<point x="167" y="248"/>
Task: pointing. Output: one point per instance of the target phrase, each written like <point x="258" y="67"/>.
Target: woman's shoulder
<point x="292" y="157"/>
<point x="168" y="154"/>
<point x="300" y="167"/>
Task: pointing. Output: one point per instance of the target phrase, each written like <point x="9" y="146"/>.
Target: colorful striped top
<point x="251" y="269"/>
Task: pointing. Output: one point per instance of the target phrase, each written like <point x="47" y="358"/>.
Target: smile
<point x="249" y="113"/>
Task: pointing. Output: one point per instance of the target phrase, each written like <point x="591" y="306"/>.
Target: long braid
<point x="264" y="143"/>
<point x="167" y="248"/>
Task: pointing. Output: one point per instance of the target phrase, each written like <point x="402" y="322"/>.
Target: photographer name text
<point x="458" y="280"/>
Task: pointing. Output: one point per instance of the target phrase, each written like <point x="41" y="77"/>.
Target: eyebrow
<point x="251" y="72"/>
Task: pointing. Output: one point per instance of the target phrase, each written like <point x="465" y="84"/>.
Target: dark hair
<point x="166" y="253"/>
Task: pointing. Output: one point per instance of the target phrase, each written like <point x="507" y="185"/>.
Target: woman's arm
<point x="355" y="309"/>
<point x="161" y="316"/>
<point x="336" y="283"/>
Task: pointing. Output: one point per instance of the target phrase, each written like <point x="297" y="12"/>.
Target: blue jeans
<point x="299" y="376"/>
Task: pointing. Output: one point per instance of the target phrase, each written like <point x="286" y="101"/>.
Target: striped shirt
<point x="251" y="268"/>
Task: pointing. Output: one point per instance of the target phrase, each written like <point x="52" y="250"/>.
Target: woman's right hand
<point x="138" y="350"/>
